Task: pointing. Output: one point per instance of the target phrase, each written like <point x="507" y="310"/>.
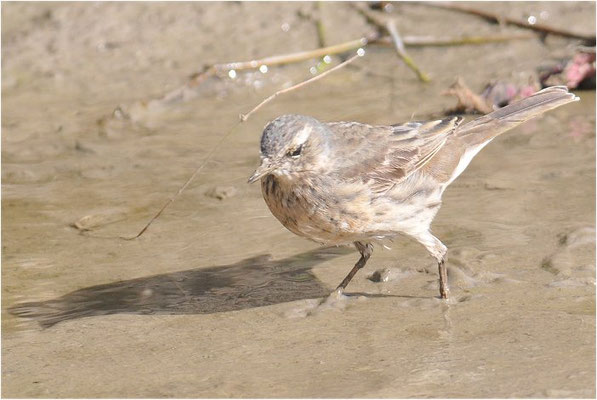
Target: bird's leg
<point x="443" y="279"/>
<point x="365" y="250"/>
<point x="438" y="251"/>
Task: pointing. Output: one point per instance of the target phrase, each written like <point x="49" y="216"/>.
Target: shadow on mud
<point x="253" y="282"/>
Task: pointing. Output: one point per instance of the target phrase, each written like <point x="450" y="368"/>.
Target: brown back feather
<point x="386" y="155"/>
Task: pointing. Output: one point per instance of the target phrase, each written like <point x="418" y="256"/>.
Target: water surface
<point x="216" y="298"/>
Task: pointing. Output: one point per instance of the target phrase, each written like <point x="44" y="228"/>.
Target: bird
<point x="343" y="183"/>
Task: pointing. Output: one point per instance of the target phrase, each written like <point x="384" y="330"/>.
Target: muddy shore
<point x="217" y="298"/>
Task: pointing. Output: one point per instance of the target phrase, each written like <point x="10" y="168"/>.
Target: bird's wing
<point x="383" y="156"/>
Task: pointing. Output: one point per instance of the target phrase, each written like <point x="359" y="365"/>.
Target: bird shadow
<point x="253" y="282"/>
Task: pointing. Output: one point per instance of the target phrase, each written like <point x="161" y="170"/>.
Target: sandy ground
<point x="217" y="299"/>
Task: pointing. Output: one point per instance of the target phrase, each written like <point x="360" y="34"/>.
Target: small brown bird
<point x="338" y="183"/>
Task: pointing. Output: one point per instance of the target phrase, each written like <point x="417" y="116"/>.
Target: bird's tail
<point x="483" y="129"/>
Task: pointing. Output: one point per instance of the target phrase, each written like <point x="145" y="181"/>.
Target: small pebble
<point x="222" y="192"/>
<point x="93" y="221"/>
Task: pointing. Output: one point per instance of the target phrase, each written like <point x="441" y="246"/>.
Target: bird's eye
<point x="296" y="152"/>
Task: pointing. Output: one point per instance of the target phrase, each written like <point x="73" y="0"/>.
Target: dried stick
<point x="197" y="79"/>
<point x="316" y="18"/>
<point x="414" y="41"/>
<point x="371" y="17"/>
<point x="468" y="101"/>
<point x="319" y="25"/>
<point x="244" y="117"/>
<point x="183" y="187"/>
<point x="421" y="41"/>
<point x="542" y="28"/>
<point x="409" y="41"/>
<point x="391" y="27"/>
<point x="300" y="56"/>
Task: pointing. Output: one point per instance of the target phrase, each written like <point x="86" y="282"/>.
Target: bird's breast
<point x="317" y="208"/>
<point x="335" y="212"/>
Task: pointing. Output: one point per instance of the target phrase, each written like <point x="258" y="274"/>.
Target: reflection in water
<point x="447" y="329"/>
<point x="253" y="282"/>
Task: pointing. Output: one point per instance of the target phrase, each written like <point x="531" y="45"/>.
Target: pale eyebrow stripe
<point x="303" y="135"/>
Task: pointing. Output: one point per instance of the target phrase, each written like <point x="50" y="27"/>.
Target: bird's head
<point x="292" y="145"/>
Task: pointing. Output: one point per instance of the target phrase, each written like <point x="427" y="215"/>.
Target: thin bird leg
<point x="438" y="250"/>
<point x="443" y="279"/>
<point x="365" y="250"/>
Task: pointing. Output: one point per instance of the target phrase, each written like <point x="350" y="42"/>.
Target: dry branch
<point x="183" y="187"/>
<point x="391" y="27"/>
<point x="468" y="101"/>
<point x="197" y="79"/>
<point x="244" y="117"/>
<point x="375" y="19"/>
<point x="321" y="36"/>
<point x="421" y="41"/>
<point x="300" y="56"/>
<point x="537" y="27"/>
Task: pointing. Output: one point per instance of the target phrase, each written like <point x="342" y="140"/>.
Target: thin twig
<point x="538" y="27"/>
<point x="315" y="17"/>
<point x="184" y="186"/>
<point x="300" y="56"/>
<point x="414" y="41"/>
<point x="427" y="41"/>
<point x="468" y="101"/>
<point x="371" y="17"/>
<point x="244" y="117"/>
<point x="586" y="49"/>
<point x="197" y="79"/>
<point x="391" y="27"/>
<point x="383" y="24"/>
<point x="321" y="37"/>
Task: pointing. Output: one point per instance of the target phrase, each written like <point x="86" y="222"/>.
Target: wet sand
<point x="217" y="299"/>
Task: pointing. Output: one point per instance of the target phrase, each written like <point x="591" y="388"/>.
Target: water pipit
<point x="339" y="183"/>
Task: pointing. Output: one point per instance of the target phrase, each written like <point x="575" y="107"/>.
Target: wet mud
<point x="217" y="299"/>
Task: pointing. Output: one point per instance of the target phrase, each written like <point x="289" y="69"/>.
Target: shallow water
<point x="217" y="299"/>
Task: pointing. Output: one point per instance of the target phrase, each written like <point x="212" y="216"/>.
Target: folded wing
<point x="382" y="156"/>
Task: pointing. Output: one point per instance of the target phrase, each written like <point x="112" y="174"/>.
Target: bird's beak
<point x="265" y="168"/>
